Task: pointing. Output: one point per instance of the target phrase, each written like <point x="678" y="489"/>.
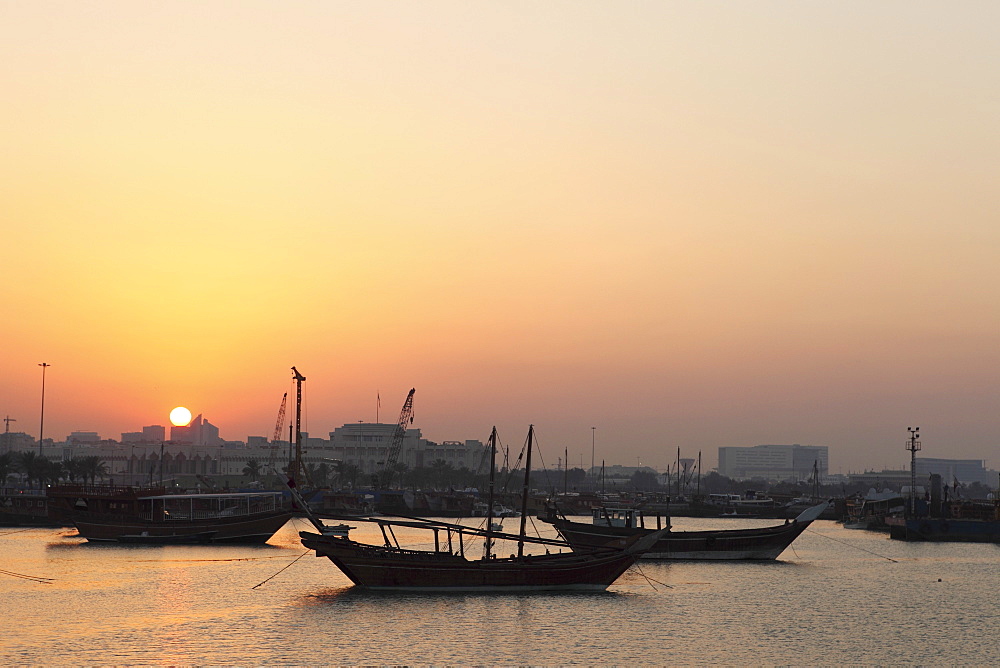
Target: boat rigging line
<point x="854" y="546"/>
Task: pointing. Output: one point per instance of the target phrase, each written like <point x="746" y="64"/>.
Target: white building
<point x="963" y="470"/>
<point x="367" y="445"/>
<point x="774" y="462"/>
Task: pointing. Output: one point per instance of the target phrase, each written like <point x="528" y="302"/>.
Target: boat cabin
<point x="629" y="518"/>
<point x="186" y="507"/>
<point x="615" y="517"/>
<point x="724" y="499"/>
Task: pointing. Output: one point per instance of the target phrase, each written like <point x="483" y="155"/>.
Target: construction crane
<point x="396" y="442"/>
<point x="6" y="432"/>
<point x="278" y="426"/>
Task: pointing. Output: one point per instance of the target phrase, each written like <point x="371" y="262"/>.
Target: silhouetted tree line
<point x="38" y="471"/>
<point x="441" y="475"/>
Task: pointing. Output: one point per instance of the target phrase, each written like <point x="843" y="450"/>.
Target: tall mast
<point x="524" y="493"/>
<point x="913" y="445"/>
<point x="565" y="471"/>
<point x="41" y="420"/>
<point x="678" y="471"/>
<point x="699" y="473"/>
<point x="297" y="467"/>
<point x="489" y="495"/>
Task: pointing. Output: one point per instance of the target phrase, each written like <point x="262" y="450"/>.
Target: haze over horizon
<point x="687" y="224"/>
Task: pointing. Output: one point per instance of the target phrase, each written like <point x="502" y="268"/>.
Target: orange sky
<point x="687" y="224"/>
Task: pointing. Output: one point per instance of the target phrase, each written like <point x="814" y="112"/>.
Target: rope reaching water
<point x="280" y="571"/>
<point x="635" y="567"/>
<point x="876" y="554"/>
<point x="33" y="578"/>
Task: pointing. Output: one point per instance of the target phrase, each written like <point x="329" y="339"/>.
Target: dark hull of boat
<point x="764" y="544"/>
<point x="387" y="568"/>
<point x="946" y="530"/>
<point x="20" y="508"/>
<point x="13" y="518"/>
<point x="246" y="529"/>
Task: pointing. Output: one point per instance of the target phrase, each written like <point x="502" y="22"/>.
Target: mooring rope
<point x="185" y="561"/>
<point x="33" y="578"/>
<point x="881" y="556"/>
<point x="649" y="580"/>
<point x="279" y="572"/>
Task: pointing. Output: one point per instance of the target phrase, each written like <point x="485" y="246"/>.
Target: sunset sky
<point x="692" y="224"/>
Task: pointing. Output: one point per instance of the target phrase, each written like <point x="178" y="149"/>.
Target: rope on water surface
<point x="649" y="580"/>
<point x="185" y="561"/>
<point x="881" y="556"/>
<point x="33" y="578"/>
<point x="279" y="572"/>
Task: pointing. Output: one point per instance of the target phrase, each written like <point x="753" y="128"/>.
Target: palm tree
<point x="322" y="474"/>
<point x="52" y="472"/>
<point x="399" y="471"/>
<point x="319" y="474"/>
<point x="73" y="469"/>
<point x="6" y="467"/>
<point x="252" y="469"/>
<point x="92" y="467"/>
<point x="347" y="474"/>
<point x="443" y="472"/>
<point x="32" y="465"/>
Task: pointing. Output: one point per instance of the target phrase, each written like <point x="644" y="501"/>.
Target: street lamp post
<point x="41" y="422"/>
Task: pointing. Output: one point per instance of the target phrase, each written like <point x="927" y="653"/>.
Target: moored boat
<point x="728" y="544"/>
<point x="25" y="508"/>
<point x="871" y="512"/>
<point x="150" y="515"/>
<point x="449" y="568"/>
<point x="960" y="522"/>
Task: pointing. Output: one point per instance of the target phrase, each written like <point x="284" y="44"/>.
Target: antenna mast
<point x="297" y="466"/>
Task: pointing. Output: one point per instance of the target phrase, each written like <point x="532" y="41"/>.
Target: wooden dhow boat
<point x="728" y="544"/>
<point x="447" y="568"/>
<point x="150" y="515"/>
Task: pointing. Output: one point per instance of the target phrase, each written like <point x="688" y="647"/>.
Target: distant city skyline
<point x="577" y="458"/>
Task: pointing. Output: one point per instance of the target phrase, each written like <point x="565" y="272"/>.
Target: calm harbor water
<point x="835" y="597"/>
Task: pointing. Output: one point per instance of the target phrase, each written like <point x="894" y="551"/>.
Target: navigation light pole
<point x="913" y="445"/>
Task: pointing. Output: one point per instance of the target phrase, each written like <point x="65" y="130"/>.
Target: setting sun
<point x="180" y="416"/>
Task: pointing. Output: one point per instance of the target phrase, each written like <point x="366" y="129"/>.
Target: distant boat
<point x="150" y="515"/>
<point x="25" y="508"/>
<point x="611" y="523"/>
<point x="872" y="511"/>
<point x="447" y="568"/>
<point x="964" y="522"/>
